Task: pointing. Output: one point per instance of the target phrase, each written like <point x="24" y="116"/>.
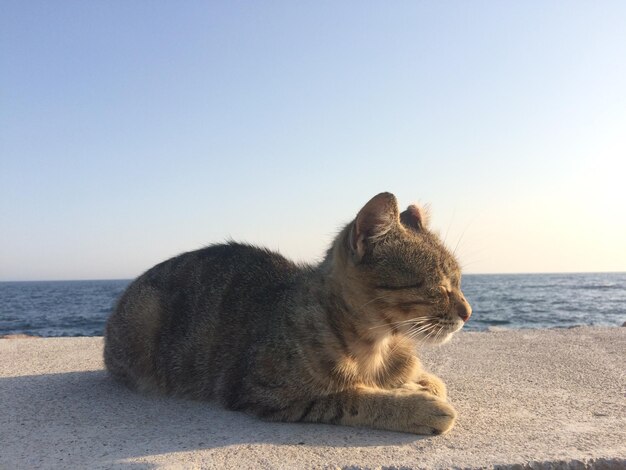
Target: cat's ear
<point x="415" y="217"/>
<point x="373" y="221"/>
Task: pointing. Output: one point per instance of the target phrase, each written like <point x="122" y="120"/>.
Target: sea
<point x="499" y="301"/>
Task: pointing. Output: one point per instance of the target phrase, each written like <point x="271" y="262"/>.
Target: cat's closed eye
<point x="413" y="285"/>
<point x="412" y="303"/>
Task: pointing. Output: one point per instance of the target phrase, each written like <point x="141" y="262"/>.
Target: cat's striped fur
<point x="332" y="343"/>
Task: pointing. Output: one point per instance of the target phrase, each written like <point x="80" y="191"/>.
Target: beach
<point x="545" y="398"/>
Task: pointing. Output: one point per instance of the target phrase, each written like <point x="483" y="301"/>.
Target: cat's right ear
<point x="373" y="221"/>
<point x="415" y="217"/>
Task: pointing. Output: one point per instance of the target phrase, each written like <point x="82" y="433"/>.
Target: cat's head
<point x="400" y="274"/>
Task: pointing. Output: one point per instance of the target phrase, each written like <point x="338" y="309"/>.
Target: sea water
<point x="80" y="308"/>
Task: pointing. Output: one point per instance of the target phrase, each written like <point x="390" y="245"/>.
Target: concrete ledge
<point x="526" y="399"/>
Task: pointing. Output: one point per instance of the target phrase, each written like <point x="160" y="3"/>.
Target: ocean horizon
<point x="499" y="301"/>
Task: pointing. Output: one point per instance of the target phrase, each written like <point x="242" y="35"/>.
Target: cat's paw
<point x="433" y="385"/>
<point x="431" y="415"/>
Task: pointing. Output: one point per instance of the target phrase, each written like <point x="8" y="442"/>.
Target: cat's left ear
<point x="373" y="221"/>
<point x="415" y="217"/>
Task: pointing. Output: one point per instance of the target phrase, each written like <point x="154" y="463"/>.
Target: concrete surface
<point x="526" y="399"/>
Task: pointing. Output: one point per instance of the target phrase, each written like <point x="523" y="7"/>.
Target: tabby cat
<point x="331" y="343"/>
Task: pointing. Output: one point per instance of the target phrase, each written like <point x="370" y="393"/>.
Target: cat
<point x="332" y="343"/>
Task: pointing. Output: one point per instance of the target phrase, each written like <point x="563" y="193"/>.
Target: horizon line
<point x="511" y="273"/>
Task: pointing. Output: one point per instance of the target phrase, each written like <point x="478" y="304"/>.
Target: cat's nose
<point x="463" y="309"/>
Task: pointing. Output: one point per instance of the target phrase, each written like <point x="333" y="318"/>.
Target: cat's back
<point x="190" y="302"/>
<point x="217" y="266"/>
<point x="197" y="282"/>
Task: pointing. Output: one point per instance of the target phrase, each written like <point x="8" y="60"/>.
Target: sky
<point x="133" y="131"/>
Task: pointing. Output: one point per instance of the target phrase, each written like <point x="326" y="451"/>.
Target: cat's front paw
<point x="432" y="384"/>
<point x="433" y="416"/>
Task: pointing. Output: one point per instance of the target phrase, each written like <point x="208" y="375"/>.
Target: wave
<point x="601" y="287"/>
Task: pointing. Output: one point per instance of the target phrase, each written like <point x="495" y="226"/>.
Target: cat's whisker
<point x="419" y="330"/>
<point x="413" y="334"/>
<point x="416" y="329"/>
<point x="467" y="262"/>
<point x="430" y="333"/>
<point x="449" y="225"/>
<point x="401" y="322"/>
<point x="388" y="325"/>
<point x="417" y="322"/>
<point x="421" y="326"/>
<point x="465" y="265"/>
<point x="463" y="234"/>
<point x="439" y="333"/>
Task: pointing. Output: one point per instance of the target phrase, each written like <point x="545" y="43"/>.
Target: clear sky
<point x="133" y="131"/>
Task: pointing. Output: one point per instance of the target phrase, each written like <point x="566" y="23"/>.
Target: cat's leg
<point x="401" y="409"/>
